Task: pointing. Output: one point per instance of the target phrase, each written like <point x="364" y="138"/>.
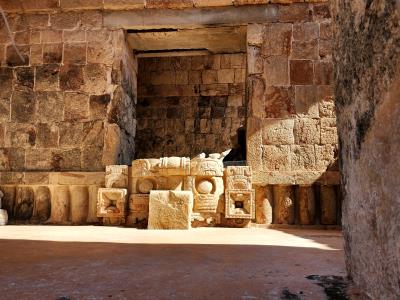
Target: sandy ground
<point x="89" y="262"/>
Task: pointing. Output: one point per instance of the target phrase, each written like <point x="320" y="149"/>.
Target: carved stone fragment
<point x="117" y="176"/>
<point x="240" y="204"/>
<point x="170" y="209"/>
<point x="264" y="204"/>
<point x="42" y="205"/>
<point x="283" y="204"/>
<point x="207" y="192"/>
<point x="111" y="203"/>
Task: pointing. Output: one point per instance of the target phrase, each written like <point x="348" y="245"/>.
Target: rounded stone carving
<point x="79" y="204"/>
<point x="42" y="207"/>
<point x="60" y="205"/>
<point x="205" y="186"/>
<point x="145" y="186"/>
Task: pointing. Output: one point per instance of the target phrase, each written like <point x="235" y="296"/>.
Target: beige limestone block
<point x="60" y="205"/>
<point x="264" y="204"/>
<point x="111" y="203"/>
<point x="79" y="203"/>
<point x="276" y="158"/>
<point x="328" y="205"/>
<point x="202" y="166"/>
<point x="92" y="209"/>
<point x="307" y="131"/>
<point x="283" y="204"/>
<point x="117" y="176"/>
<point x="238" y="177"/>
<point x="174" y="166"/>
<point x="170" y="209"/>
<point x="240" y="204"/>
<point x="303" y="157"/>
<point x="329" y="131"/>
<point x="306" y="198"/>
<point x="145" y="167"/>
<point x="254" y="142"/>
<point x="278" y="132"/>
<point x="123" y="4"/>
<point x="207" y="3"/>
<point x="255" y="34"/>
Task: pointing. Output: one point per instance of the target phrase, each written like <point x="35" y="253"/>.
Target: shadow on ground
<point x="81" y="270"/>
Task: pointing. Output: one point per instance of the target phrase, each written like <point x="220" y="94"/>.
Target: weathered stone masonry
<point x="190" y="104"/>
<point x="72" y="97"/>
<point x="72" y="105"/>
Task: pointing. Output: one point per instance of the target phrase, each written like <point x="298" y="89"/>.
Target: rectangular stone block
<point x="278" y="132"/>
<point x="279" y="102"/>
<point x="303" y="157"/>
<point x="277" y="39"/>
<point x="307" y="131"/>
<point x="329" y="131"/>
<point x="111" y="203"/>
<point x="276" y="70"/>
<point x="306" y="101"/>
<point x="123" y="4"/>
<point x="301" y="72"/>
<point x="276" y="158"/>
<point x="170" y="210"/>
<point x="240" y="204"/>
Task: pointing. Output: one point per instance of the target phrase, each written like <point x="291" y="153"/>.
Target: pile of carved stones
<point x="177" y="193"/>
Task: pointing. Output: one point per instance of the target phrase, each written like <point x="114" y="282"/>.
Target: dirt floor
<point x="89" y="262"/>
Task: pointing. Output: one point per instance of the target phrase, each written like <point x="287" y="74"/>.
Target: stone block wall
<point x="69" y="105"/>
<point x="190" y="104"/>
<point x="291" y="130"/>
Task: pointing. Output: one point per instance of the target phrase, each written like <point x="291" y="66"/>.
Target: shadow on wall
<point x="50" y="270"/>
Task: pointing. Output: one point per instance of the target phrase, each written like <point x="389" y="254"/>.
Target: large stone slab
<point x="170" y="209"/>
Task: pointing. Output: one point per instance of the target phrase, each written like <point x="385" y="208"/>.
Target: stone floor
<point x="88" y="262"/>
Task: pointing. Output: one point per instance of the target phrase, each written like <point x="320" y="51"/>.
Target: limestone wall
<point x="190" y="104"/>
<point x="46" y="5"/>
<point x="291" y="131"/>
<point x="64" y="106"/>
<point x="367" y="91"/>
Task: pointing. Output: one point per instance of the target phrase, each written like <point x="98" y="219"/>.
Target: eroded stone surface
<point x="170" y="210"/>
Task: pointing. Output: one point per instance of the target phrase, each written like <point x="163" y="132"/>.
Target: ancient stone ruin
<point x="174" y="192"/>
<point x="104" y="83"/>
